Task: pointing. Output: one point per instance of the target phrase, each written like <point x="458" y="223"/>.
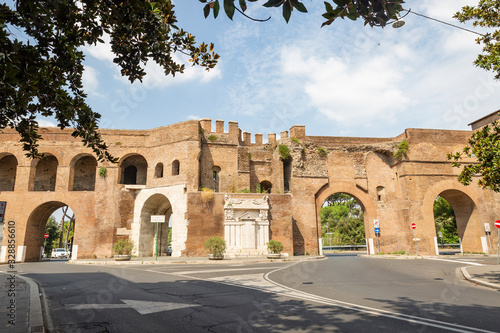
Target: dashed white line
<point x="457" y="261"/>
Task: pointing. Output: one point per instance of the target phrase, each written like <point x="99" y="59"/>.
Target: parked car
<point x="59" y="253"/>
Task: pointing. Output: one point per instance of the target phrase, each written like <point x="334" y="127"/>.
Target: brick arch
<point x="369" y="209"/>
<point x="82" y="172"/>
<point x="133" y="160"/>
<point x="8" y="171"/>
<point x="463" y="200"/>
<point x="43" y="173"/>
<point x="35" y="228"/>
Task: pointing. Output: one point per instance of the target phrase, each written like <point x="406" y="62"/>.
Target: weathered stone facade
<point x="160" y="172"/>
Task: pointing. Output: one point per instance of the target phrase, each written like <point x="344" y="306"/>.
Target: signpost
<point x="497" y="224"/>
<point x="376" y="225"/>
<point x="414" y="226"/>
<point x="157" y="219"/>
<point x="377" y="232"/>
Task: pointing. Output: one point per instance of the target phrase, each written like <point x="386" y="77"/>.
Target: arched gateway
<point x="206" y="190"/>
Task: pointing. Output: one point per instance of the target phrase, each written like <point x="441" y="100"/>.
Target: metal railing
<point x="344" y="247"/>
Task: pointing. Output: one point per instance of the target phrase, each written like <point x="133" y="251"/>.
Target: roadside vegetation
<point x="342" y="221"/>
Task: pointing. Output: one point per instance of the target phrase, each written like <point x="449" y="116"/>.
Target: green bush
<point x="402" y="151"/>
<point x="284" y="152"/>
<point x="123" y="246"/>
<point x="296" y="140"/>
<point x="103" y="172"/>
<point x="275" y="246"/>
<point x="215" y="246"/>
<point x="322" y="152"/>
<point x="212" y="137"/>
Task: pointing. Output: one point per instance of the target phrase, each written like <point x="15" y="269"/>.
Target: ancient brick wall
<point x="176" y="160"/>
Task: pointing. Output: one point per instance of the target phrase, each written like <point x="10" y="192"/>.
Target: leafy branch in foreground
<point x="484" y="147"/>
<point x="485" y="14"/>
<point x="41" y="69"/>
<point x="373" y="12"/>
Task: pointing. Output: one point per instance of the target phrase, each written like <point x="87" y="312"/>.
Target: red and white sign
<point x="46" y="236"/>
<point x="376" y="224"/>
<point x="413" y="226"/>
<point x="497" y="224"/>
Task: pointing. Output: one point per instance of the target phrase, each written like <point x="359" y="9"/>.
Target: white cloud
<point x="90" y="81"/>
<point x="155" y="77"/>
<point x="346" y="92"/>
<point x="193" y="117"/>
<point x="45" y="123"/>
<point x="101" y="51"/>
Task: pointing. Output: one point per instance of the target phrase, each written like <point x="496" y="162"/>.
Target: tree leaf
<point x="229" y="8"/>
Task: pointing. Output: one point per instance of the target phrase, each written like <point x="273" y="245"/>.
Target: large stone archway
<point x="146" y="244"/>
<point x="35" y="228"/>
<point x="170" y="201"/>
<point x="369" y="210"/>
<point x="463" y="200"/>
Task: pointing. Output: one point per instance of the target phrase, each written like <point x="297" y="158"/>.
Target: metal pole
<point x="498" y="248"/>
<point x="378" y="243"/>
<point x="415" y="239"/>
<point x="489" y="241"/>
<point x="156" y="251"/>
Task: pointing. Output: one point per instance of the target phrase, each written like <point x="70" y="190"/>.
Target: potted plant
<point x="216" y="247"/>
<point x="274" y="247"/>
<point x="123" y="248"/>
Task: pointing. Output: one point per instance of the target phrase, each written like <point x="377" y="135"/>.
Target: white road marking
<point x="221" y="270"/>
<point x="457" y="261"/>
<point x="143" y="307"/>
<point x="262" y="283"/>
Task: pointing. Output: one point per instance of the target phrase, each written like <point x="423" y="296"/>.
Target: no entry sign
<point x="497" y="224"/>
<point x="413" y="226"/>
<point x="46" y="236"/>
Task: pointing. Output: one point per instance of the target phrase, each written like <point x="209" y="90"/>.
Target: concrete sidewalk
<point x="167" y="260"/>
<point x="21" y="309"/>
<point x="488" y="276"/>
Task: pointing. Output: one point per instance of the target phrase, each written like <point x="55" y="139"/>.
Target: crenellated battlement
<point x="239" y="136"/>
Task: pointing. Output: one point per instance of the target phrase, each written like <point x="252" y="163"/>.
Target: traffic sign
<point x="376" y="224"/>
<point x="377" y="230"/>
<point x="440" y="234"/>
<point x="46" y="236"/>
<point x="497" y="224"/>
<point x="414" y="226"/>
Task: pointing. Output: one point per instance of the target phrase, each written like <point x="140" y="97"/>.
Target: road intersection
<point x="340" y="293"/>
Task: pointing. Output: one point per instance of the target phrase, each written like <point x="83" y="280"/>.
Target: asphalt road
<point x="338" y="294"/>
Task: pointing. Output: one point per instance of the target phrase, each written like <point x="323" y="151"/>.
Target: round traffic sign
<point x="497" y="224"/>
<point x="46" y="236"/>
<point x="413" y="226"/>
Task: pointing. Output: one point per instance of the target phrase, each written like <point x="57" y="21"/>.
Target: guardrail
<point x="344" y="247"/>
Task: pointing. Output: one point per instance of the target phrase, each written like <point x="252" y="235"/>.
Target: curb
<point x="478" y="281"/>
<point x="192" y="262"/>
<point x="35" y="306"/>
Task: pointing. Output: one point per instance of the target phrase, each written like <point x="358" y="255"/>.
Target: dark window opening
<point x="130" y="175"/>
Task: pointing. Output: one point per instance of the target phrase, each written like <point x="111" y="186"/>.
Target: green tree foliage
<point x="484" y="147"/>
<point x="402" y="150"/>
<point x="52" y="228"/>
<point x="41" y="59"/>
<point x="485" y="14"/>
<point x="444" y="218"/>
<point x="373" y="12"/>
<point x="342" y="216"/>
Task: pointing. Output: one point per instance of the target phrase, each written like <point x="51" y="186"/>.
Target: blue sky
<point x="341" y="80"/>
